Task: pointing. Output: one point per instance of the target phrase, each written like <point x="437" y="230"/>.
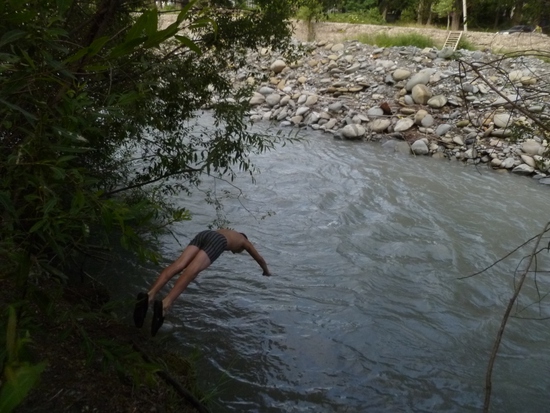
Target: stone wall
<point x="497" y="43"/>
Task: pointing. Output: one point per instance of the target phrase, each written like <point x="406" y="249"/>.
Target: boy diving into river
<point x="201" y="252"/>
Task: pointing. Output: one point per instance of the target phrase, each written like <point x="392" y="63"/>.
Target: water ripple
<point x="366" y="312"/>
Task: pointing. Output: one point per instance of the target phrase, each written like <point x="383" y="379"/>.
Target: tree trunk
<point x="420" y="12"/>
<point x="457" y="15"/>
<point x="310" y="30"/>
<point x="455" y="21"/>
<point x="518" y="12"/>
<point x="424" y="12"/>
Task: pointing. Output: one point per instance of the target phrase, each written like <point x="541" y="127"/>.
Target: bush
<point x="371" y="16"/>
<point x="408" y="16"/>
<point x="465" y="44"/>
<point x="96" y="138"/>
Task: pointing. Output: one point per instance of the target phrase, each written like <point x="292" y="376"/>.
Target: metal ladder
<point x="453" y="38"/>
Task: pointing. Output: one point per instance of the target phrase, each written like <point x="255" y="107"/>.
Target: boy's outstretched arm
<point x="257" y="257"/>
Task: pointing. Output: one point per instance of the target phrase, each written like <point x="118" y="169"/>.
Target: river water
<point x="365" y="311"/>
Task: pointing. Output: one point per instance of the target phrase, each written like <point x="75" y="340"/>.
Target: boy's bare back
<point x="237" y="243"/>
<point x="235" y="240"/>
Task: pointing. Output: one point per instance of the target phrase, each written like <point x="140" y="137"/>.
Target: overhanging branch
<point x="160" y="178"/>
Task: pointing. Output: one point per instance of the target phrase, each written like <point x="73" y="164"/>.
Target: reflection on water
<point x="365" y="312"/>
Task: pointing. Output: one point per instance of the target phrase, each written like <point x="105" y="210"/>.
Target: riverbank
<point x="341" y="32"/>
<point x="480" y="107"/>
<point x="98" y="363"/>
<point x="474" y="107"/>
<point x="495" y="42"/>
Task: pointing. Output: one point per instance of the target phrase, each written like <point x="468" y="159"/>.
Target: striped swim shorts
<point x="211" y="242"/>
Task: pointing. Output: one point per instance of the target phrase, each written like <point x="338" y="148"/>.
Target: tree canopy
<point x="483" y="14"/>
<point x="95" y="136"/>
<point x="94" y="100"/>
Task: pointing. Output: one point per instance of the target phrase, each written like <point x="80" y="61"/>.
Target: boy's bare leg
<point x="186" y="257"/>
<point x="199" y="263"/>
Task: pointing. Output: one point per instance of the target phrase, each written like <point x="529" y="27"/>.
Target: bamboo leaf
<point x="70" y="149"/>
<point x="6" y="203"/>
<point x="54" y="271"/>
<point x="77" y="202"/>
<point x="29" y="116"/>
<point x="78" y="55"/>
<point x="160" y="36"/>
<point x="11" y="36"/>
<point x="128" y="98"/>
<point x="152" y="23"/>
<point x="90" y="50"/>
<point x="28" y="59"/>
<point x="126" y="47"/>
<point x="96" y="68"/>
<point x="197" y="24"/>
<point x="139" y="26"/>
<point x="97" y="45"/>
<point x="58" y="173"/>
<point x="15" y="390"/>
<point x="65" y="158"/>
<point x="37" y="226"/>
<point x="189" y="43"/>
<point x="49" y="205"/>
<point x="11" y="335"/>
<point x="63" y="5"/>
<point x="185" y="11"/>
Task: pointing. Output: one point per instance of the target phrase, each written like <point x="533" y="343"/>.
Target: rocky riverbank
<point x="473" y="107"/>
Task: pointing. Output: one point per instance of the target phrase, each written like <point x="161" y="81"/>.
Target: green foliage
<point x="121" y="357"/>
<point x="465" y="44"/>
<point x="18" y="374"/>
<point x="369" y="16"/>
<point x="311" y="11"/>
<point x="94" y="103"/>
<point x="385" y="40"/>
<point x="96" y="111"/>
<point x="408" y="16"/>
<point x="314" y="12"/>
<point x="358" y="6"/>
<point x="443" y="7"/>
<point x="373" y="15"/>
<point x="483" y="15"/>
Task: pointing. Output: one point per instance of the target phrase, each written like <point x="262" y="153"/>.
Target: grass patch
<point x="414" y="25"/>
<point x="385" y="40"/>
<point x="465" y="44"/>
